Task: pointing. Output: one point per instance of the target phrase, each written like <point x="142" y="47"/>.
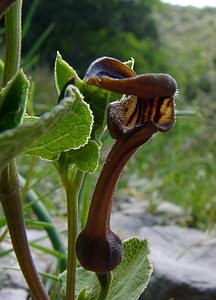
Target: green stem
<point x="43" y="215"/>
<point x="105" y="282"/>
<point x="72" y="193"/>
<point x="12" y="41"/>
<point x="3" y="234"/>
<point x="4" y="4"/>
<point x="25" y="188"/>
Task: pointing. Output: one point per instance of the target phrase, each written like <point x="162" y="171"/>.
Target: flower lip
<point x="107" y="67"/>
<point x="113" y="75"/>
<point x="149" y="97"/>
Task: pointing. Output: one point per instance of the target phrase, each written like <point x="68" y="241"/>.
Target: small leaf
<point x="130" y="63"/>
<point x="13" y="101"/>
<point x="86" y="158"/>
<point x="72" y="132"/>
<point x="15" y="141"/>
<point x="98" y="99"/>
<point x="63" y="71"/>
<point x="130" y="278"/>
<point x="82" y="295"/>
<point x="84" y="281"/>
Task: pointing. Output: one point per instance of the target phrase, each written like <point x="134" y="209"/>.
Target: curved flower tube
<point x="147" y="108"/>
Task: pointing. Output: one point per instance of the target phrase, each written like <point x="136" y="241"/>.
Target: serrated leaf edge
<point x="148" y="256"/>
<point x="58" y="56"/>
<point x="70" y="100"/>
<point x="10" y="132"/>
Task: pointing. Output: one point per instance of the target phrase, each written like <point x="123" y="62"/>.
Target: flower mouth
<point x="134" y="111"/>
<point x="149" y="97"/>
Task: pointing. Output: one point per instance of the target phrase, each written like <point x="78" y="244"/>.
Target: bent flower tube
<point x="146" y="108"/>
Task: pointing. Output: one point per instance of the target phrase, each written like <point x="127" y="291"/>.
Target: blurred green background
<point x="178" y="167"/>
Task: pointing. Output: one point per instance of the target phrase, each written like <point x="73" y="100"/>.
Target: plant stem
<point x="43" y="215"/>
<point x="25" y="188"/>
<point x="4" y="4"/>
<point x="9" y="186"/>
<point x="121" y="151"/>
<point x="105" y="282"/>
<point x="11" y="203"/>
<point x="12" y="41"/>
<point x="72" y="188"/>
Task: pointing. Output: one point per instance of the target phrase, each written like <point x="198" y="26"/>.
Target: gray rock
<point x="170" y="209"/>
<point x="129" y="224"/>
<point x="184" y="260"/>
<point x="10" y="294"/>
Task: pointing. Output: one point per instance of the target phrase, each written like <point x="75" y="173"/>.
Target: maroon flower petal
<point x="113" y="75"/>
<point x="107" y="67"/>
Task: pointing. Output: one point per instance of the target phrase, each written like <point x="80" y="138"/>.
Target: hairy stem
<point x="12" y="41"/>
<point x="43" y="215"/>
<point x="25" y="188"/>
<point x="72" y="187"/>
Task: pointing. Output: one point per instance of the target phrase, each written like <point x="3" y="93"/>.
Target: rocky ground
<point x="184" y="259"/>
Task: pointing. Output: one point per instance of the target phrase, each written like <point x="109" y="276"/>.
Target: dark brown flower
<point x="147" y="107"/>
<point x="148" y="97"/>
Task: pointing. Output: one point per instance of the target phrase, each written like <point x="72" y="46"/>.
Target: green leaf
<point x="84" y="281"/>
<point x="2" y="221"/>
<point x="13" y="101"/>
<point x="72" y="132"/>
<point x="86" y="158"/>
<point x="98" y="99"/>
<point x="82" y="295"/>
<point x="63" y="71"/>
<point x="130" y="278"/>
<point x="1" y="66"/>
<point x="130" y="63"/>
<point x="15" y="141"/>
<point x="63" y="280"/>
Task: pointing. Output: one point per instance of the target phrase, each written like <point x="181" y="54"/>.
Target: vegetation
<point x="178" y="166"/>
<point x="180" y="41"/>
<point x="186" y="176"/>
<point x="119" y="27"/>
